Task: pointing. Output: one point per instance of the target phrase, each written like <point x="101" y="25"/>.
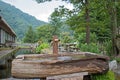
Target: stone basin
<point x="44" y="65"/>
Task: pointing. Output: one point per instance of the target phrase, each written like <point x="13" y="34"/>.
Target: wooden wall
<point x="6" y="37"/>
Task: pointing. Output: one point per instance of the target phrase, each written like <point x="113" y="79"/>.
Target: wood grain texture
<point x="42" y="66"/>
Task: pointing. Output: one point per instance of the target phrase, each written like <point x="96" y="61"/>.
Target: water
<point x="63" y="58"/>
<point x="6" y="72"/>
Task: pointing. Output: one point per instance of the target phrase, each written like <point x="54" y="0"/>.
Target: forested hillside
<point x="18" y="20"/>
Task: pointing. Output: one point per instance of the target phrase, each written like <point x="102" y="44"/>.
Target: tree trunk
<point x="87" y="22"/>
<point x="114" y="27"/>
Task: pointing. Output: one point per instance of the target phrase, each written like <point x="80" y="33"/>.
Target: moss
<point x="107" y="76"/>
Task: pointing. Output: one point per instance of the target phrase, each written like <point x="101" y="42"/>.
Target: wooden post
<point x="55" y="45"/>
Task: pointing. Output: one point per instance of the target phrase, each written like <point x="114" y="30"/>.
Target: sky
<point x="41" y="11"/>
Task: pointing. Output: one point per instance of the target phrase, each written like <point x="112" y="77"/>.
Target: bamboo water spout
<point x="55" y="45"/>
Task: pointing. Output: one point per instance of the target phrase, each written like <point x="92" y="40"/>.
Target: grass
<point x="107" y="76"/>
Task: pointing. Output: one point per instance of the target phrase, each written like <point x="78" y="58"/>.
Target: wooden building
<point x="7" y="35"/>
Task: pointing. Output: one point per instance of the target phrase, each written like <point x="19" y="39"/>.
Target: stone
<point x="113" y="65"/>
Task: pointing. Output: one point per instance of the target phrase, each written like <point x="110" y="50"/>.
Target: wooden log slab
<point x="74" y="76"/>
<point x="44" y="65"/>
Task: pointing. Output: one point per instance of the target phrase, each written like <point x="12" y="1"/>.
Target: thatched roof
<point x="6" y="27"/>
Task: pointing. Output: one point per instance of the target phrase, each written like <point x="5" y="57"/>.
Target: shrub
<point x="82" y="37"/>
<point x="107" y="76"/>
<point x="117" y="59"/>
<point x="42" y="46"/>
<point x="92" y="47"/>
<point x="108" y="47"/>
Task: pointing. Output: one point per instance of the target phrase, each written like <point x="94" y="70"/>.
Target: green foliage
<point x="81" y="37"/>
<point x="30" y="36"/>
<point x="108" y="47"/>
<point x="65" y="37"/>
<point x="107" y="76"/>
<point x="92" y="47"/>
<point x="117" y="59"/>
<point x="18" y="20"/>
<point x="42" y="46"/>
<point x="104" y="19"/>
<point x="45" y="33"/>
<point x="56" y="22"/>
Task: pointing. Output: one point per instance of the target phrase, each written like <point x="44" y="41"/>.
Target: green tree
<point x="113" y="17"/>
<point x="87" y="17"/>
<point x="76" y="3"/>
<point x="45" y="33"/>
<point x="55" y="22"/>
<point x="30" y="36"/>
<point x="96" y="16"/>
<point x="66" y="37"/>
